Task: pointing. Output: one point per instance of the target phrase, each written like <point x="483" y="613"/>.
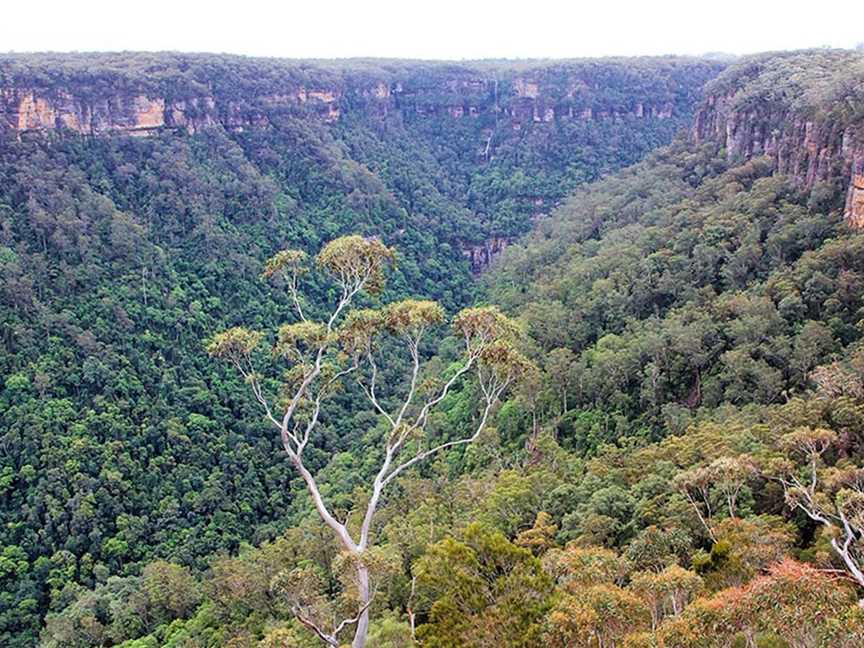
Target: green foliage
<point x="684" y="282"/>
<point x="286" y="260"/>
<point x="235" y="344"/>
<point x="390" y="632"/>
<point x="684" y="335"/>
<point x="411" y="315"/>
<point x="825" y="83"/>
<point x="483" y="590"/>
<point x="356" y="261"/>
<point x="121" y="257"/>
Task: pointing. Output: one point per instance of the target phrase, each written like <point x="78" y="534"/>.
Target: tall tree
<point x="347" y="343"/>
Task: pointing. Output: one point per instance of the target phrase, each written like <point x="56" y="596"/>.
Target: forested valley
<point x="568" y="353"/>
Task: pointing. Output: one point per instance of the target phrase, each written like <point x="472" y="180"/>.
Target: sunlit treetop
<point x="234" y="344"/>
<point x="483" y="324"/>
<point x="359" y="328"/>
<point x="285" y="261"/>
<point x="300" y="336"/>
<point x="357" y="262"/>
<point x="412" y="315"/>
<point x="809" y="442"/>
<point x="501" y="356"/>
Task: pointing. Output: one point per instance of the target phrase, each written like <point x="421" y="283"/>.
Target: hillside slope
<point x="720" y="270"/>
<point x="492" y="144"/>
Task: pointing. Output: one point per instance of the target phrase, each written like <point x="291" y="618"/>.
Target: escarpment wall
<point x="32" y="110"/>
<point x="27" y="110"/>
<point x="31" y="104"/>
<point x="525" y="109"/>
<point x="808" y="149"/>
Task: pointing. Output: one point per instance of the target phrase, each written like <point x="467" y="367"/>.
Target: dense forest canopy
<point x="120" y="256"/>
<point x="680" y="464"/>
<point x="827" y="84"/>
<point x="482" y="146"/>
<point x="155" y="71"/>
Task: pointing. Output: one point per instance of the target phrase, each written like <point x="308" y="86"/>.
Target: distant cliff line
<point x="142" y="94"/>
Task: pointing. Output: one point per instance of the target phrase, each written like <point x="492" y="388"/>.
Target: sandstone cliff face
<point x="498" y="106"/>
<point x="29" y="110"/>
<point x="807" y="149"/>
<point x="531" y="104"/>
<point x="33" y="109"/>
<point x="855" y="201"/>
<point x="519" y="101"/>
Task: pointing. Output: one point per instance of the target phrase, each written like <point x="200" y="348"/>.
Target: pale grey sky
<point x="441" y="29"/>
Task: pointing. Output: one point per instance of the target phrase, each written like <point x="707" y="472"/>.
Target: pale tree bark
<point x="845" y="543"/>
<point x="411" y="615"/>
<point x="828" y="511"/>
<point x="294" y="444"/>
<point x="362" y="630"/>
<point x="388" y="472"/>
<point x="696" y="480"/>
<point x="407" y="421"/>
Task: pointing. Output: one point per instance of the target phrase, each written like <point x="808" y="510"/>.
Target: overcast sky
<point x="439" y="29"/>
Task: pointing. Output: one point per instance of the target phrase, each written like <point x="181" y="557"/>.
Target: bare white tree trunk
<point x="802" y="494"/>
<point x="364" y="598"/>
<point x="411" y="614"/>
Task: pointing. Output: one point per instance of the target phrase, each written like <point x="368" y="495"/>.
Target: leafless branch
<point x="331" y="638"/>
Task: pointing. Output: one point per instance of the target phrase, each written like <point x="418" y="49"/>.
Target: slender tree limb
<point x="413" y="346"/>
<point x="370" y="391"/>
<point x="346" y="622"/>
<point x="295" y="296"/>
<point x="329" y="639"/>
<point x="490" y="402"/>
<point x="329" y="519"/>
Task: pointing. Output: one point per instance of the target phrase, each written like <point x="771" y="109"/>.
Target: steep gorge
<point x="139" y="194"/>
<point x="557" y="123"/>
<point x="124" y="103"/>
<point x="762" y="201"/>
<point x="715" y="274"/>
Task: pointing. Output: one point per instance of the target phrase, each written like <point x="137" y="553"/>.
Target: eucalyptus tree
<point x="348" y="344"/>
<point x="831" y="496"/>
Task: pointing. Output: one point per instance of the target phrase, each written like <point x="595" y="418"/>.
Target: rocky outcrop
<point x="808" y="149"/>
<point x="30" y="109"/>
<point x="525" y="100"/>
<point x="855" y="201"/>
<point x="530" y="103"/>
<point x="482" y="255"/>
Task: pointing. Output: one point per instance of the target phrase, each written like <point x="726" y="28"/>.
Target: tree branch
<point x="420" y="421"/>
<point x="295" y="296"/>
<point x="370" y="391"/>
<point x="413" y="346"/>
<point x="329" y="519"/>
<point x="322" y="393"/>
<point x="490" y="402"/>
<point x="355" y="619"/>
<point x="329" y="639"/>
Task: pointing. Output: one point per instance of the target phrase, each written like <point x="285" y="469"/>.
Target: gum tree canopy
<point x="347" y="345"/>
